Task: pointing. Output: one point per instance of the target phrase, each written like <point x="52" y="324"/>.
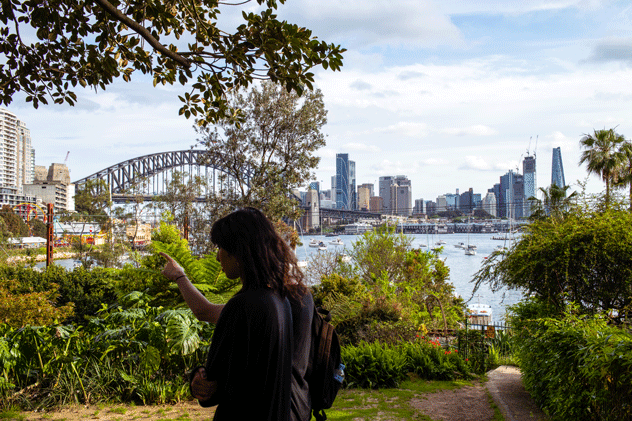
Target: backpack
<point x="325" y="372"/>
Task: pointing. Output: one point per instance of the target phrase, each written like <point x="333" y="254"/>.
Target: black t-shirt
<point x="302" y="314"/>
<point x="251" y="358"/>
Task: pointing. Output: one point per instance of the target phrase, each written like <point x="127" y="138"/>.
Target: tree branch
<point x="143" y="32"/>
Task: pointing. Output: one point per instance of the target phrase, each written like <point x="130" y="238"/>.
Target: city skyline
<point x="513" y="188"/>
<point x="448" y="93"/>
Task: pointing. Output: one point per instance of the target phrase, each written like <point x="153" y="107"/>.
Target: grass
<point x="12" y="414"/>
<point x="350" y="405"/>
<point x="391" y="404"/>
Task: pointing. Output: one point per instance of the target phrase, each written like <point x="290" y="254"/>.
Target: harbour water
<point x="462" y="267"/>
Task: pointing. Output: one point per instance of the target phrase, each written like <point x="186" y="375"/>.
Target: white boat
<point x="500" y="248"/>
<point x="470" y="249"/>
<point x="460" y="245"/>
<point x="479" y="314"/>
<point x="313" y="243"/>
<point x="357" y="228"/>
<point x="322" y="246"/>
<point x="337" y="242"/>
<point x="423" y="246"/>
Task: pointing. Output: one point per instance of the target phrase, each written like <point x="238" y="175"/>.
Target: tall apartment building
<point x="16" y="154"/>
<point x="505" y="205"/>
<point x="401" y="196"/>
<point x="396" y="193"/>
<point x="353" y="195"/>
<point x="376" y="204"/>
<point x="364" y="197"/>
<point x="343" y="196"/>
<point x="419" y="208"/>
<point x="371" y="188"/>
<point x="530" y="185"/>
<point x="441" y="205"/>
<point x="488" y="203"/>
<point x="466" y="201"/>
<point x="384" y="191"/>
<point x="512" y="198"/>
<point x="557" y="169"/>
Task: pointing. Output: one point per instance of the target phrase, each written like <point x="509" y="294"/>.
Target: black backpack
<point x="325" y="372"/>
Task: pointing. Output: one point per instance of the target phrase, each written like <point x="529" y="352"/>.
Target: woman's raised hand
<point x="172" y="269"/>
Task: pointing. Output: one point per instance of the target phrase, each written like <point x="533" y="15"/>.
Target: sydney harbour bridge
<point x="157" y="170"/>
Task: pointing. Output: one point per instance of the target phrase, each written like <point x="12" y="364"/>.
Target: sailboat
<point x="470" y="250"/>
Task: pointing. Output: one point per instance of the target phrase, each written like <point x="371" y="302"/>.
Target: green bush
<point x="140" y="354"/>
<point x="376" y="365"/>
<point x="575" y="368"/>
<point x="89" y="290"/>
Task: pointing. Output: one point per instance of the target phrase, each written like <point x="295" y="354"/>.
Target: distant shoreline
<point x="42" y="257"/>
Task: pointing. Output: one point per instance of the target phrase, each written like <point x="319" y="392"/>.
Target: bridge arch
<point x="120" y="177"/>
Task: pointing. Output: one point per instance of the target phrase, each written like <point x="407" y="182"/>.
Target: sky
<point x="452" y="94"/>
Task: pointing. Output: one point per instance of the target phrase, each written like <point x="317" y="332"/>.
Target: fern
<point x="205" y="274"/>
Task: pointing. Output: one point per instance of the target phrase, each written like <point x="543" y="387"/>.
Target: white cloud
<point x="358" y="23"/>
<point x="361" y="147"/>
<point x="477" y="130"/>
<point x="435" y="162"/>
<point x="475" y="163"/>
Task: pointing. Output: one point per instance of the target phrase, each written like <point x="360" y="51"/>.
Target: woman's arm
<point x="202" y="308"/>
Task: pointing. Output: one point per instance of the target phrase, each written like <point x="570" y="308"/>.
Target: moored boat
<point x="337" y="242"/>
<point x="479" y="314"/>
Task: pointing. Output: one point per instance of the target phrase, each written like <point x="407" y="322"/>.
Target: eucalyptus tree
<point x="270" y="153"/>
<point x="49" y="47"/>
<point x="602" y="156"/>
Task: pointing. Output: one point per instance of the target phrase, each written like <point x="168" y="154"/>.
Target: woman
<point x="258" y="358"/>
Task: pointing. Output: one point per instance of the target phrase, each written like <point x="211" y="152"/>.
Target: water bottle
<point x="339" y="373"/>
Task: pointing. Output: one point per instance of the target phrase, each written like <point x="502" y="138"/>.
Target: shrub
<point x="31" y="308"/>
<point x="376" y="365"/>
<point x="87" y="290"/>
<point x="576" y="368"/>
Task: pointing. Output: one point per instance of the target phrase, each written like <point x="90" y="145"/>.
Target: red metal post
<point x="50" y="237"/>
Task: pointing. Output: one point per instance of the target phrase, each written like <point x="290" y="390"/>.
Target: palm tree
<point x="624" y="175"/>
<point x="602" y="156"/>
<point x="554" y="204"/>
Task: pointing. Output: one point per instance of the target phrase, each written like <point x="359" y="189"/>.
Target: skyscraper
<point x="530" y="185"/>
<point x="401" y="196"/>
<point x="353" y="195"/>
<point x="384" y="191"/>
<point x="16" y="154"/>
<point x="342" y="181"/>
<point x="557" y="169"/>
<point x="507" y="205"/>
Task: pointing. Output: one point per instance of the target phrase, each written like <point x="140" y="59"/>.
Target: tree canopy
<point x="270" y="153"/>
<point x="49" y="48"/>
<point x="585" y="258"/>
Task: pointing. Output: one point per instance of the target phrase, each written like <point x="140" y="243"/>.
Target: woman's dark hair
<point x="265" y="259"/>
